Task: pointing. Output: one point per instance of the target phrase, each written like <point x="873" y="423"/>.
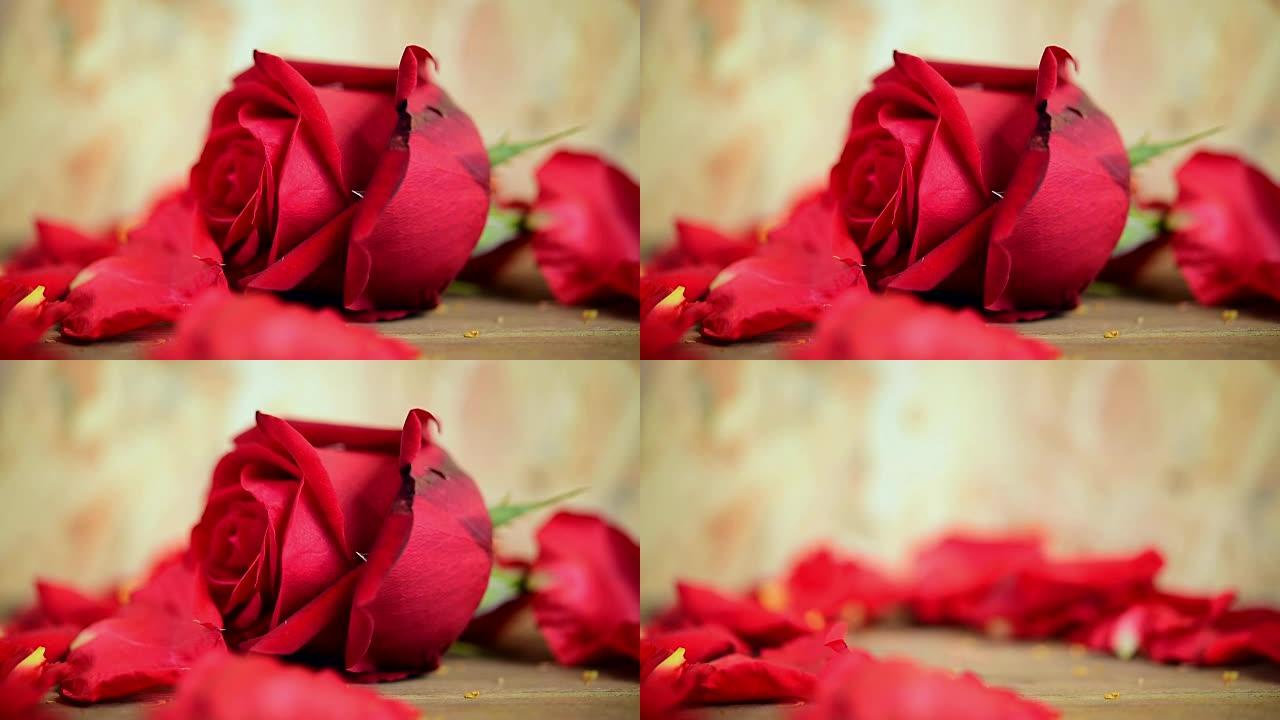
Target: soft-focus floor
<point x="1073" y="681"/>
<point x="507" y="328"/>
<point x="1148" y="328"/>
<point x="509" y="690"/>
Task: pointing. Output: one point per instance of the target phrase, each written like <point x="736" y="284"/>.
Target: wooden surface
<point x="1073" y="681"/>
<point x="508" y="328"/>
<point x="509" y="690"/>
<point x="1149" y="329"/>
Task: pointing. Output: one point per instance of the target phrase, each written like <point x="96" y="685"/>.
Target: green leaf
<point x="1141" y="226"/>
<point x="504" y="512"/>
<point x="504" y="584"/>
<point x="1144" y="151"/>
<point x="504" y="151"/>
<point x="502" y="225"/>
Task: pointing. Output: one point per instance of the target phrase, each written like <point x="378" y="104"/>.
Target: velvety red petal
<point x="260" y="327"/>
<point x="743" y="679"/>
<point x="699" y="244"/>
<point x="586" y="597"/>
<point x="694" y="280"/>
<point x="860" y="687"/>
<point x="744" y="618"/>
<point x="839" y="587"/>
<point x="1227" y="236"/>
<point x="60" y="244"/>
<point x="587" y="240"/>
<point x="663" y="327"/>
<point x="174" y="225"/>
<point x="229" y="687"/>
<point x="774" y="290"/>
<point x="701" y="643"/>
<point x="25" y="316"/>
<point x="865" y="327"/>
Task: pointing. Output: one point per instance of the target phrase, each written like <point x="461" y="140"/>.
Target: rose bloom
<point x="358" y="548"/>
<point x="360" y="187"/>
<point x="1000" y="188"/>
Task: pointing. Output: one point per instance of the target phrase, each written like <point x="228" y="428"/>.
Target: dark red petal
<point x="587" y="229"/>
<point x="260" y="327"/>
<point x="586" y="594"/>
<point x="229" y="687"/>
<point x="900" y="327"/>
<point x="1227" y="230"/>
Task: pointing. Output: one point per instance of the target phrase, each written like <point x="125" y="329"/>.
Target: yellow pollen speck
<point x="772" y="596"/>
<point x="815" y="620"/>
<point x="1083" y="309"/>
<point x="589" y="315"/>
<point x="1111" y="696"/>
<point x="442" y="309"/>
<point x="442" y="670"/>
<point x="590" y="676"/>
<point x="1230" y="676"/>
<point x="1080" y="671"/>
<point x="673" y="661"/>
<point x="471" y="695"/>
<point x="1230" y="315"/>
<point x="501" y="319"/>
<point x="471" y="334"/>
<point x="502" y="681"/>
<point x="1111" y="334"/>
<point x="33" y="299"/>
<point x="32" y="661"/>
<point x="1142" y="681"/>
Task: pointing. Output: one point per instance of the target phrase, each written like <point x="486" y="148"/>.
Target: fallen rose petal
<point x="586" y="592"/>
<point x="900" y="327"/>
<point x="586" y="235"/>
<point x="701" y="643"/>
<point x="663" y="328"/>
<point x="825" y="586"/>
<point x="173" y="225"/>
<point x="693" y="282"/>
<point x="1226" y="230"/>
<point x="58" y="604"/>
<point x="59" y="244"/>
<point x="863" y="688"/>
<point x="742" y="679"/>
<point x="230" y="687"/>
<point x="698" y="244"/>
<point x="134" y="290"/>
<point x="25" y="317"/>
<point x="23" y="684"/>
<point x="17" y="646"/>
<point x="260" y="327"/>
<point x="746" y="618"/>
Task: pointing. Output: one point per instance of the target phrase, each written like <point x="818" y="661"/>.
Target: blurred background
<point x="747" y="463"/>
<point x="103" y="102"/>
<point x="103" y="464"/>
<point x="746" y="102"/>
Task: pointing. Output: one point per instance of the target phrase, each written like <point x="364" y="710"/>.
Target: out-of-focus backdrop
<point x="102" y="102"/>
<point x="745" y="102"/>
<point x="746" y="463"/>
<point x="103" y="464"/>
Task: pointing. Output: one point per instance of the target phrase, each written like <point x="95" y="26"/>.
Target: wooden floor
<point x="1071" y="680"/>
<point x="507" y="328"/>
<point x="509" y="690"/>
<point x="1148" y="328"/>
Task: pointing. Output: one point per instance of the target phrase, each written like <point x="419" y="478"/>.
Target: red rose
<point x="1000" y="188"/>
<point x="586" y="594"/>
<point x="364" y="187"/>
<point x="359" y="548"/>
<point x="1227" y="230"/>
<point x="586" y="235"/>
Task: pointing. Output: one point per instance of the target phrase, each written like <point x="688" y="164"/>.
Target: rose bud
<point x="358" y="548"/>
<point x="1004" y="189"/>
<point x="360" y="187"/>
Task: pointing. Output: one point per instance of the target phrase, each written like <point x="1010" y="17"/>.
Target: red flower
<point x="1226" y="236"/>
<point x="586" y="236"/>
<point x="857" y="686"/>
<point x="259" y="327"/>
<point x="227" y="687"/>
<point x="360" y="548"/>
<point x="363" y="187"/>
<point x="900" y="327"/>
<point x="168" y="624"/>
<point x="586" y="590"/>
<point x="1001" y="188"/>
<point x="806" y="263"/>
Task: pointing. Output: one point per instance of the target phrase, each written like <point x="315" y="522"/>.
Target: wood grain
<point x="1149" y="329"/>
<point x="509" y="690"/>
<point x="1051" y="673"/>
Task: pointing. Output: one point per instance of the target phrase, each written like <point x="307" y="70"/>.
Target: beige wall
<point x="102" y="101"/>
<point x="102" y="464"/>
<point x="745" y="101"/>
<point x="746" y="463"/>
